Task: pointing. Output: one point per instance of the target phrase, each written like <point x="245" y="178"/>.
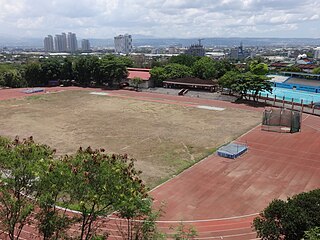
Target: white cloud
<point x="161" y="18"/>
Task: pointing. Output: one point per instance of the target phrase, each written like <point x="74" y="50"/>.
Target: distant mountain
<point x="142" y="40"/>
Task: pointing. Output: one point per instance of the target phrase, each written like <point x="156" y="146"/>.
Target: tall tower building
<point x="48" y="44"/>
<point x="64" y="42"/>
<point x="123" y="44"/>
<point x="85" y="45"/>
<point x="72" y="42"/>
<point x="58" y="43"/>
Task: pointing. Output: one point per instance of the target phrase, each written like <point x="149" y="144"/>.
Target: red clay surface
<point x="211" y="194"/>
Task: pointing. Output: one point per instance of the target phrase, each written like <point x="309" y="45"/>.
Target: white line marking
<point x="99" y="93"/>
<point x="210" y="108"/>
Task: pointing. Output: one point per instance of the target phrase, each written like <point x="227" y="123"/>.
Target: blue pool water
<point x="297" y="95"/>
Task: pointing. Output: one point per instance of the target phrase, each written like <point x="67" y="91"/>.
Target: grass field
<point x="165" y="139"/>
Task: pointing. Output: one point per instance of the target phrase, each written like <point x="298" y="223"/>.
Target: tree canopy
<point x="244" y="83"/>
<point x="289" y="219"/>
<point x="92" y="181"/>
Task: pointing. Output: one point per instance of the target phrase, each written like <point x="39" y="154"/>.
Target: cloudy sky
<point x="161" y="18"/>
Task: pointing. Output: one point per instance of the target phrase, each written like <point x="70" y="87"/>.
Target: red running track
<point x="276" y="166"/>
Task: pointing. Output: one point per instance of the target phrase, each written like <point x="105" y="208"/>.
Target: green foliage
<point x="312" y="234"/>
<point x="204" y="68"/>
<point x="289" y="220"/>
<point x="291" y="69"/>
<point x="52" y="188"/>
<point x="175" y="70"/>
<point x="11" y="77"/>
<point x="136" y="81"/>
<point x="183" y="232"/>
<point x="184" y="59"/>
<point x="87" y="69"/>
<point x="33" y="74"/>
<point x="113" y="69"/>
<point x="18" y="181"/>
<point x="258" y="68"/>
<point x="98" y="183"/>
<point x="50" y="70"/>
<point x="170" y="71"/>
<point x="316" y="70"/>
<point x="243" y="83"/>
<point x="158" y="74"/>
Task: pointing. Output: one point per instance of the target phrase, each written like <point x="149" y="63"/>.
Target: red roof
<point x="308" y="66"/>
<point x="139" y="69"/>
<point x="141" y="74"/>
<point x="279" y="64"/>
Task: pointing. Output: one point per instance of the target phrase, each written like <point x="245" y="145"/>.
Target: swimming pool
<point x="297" y="95"/>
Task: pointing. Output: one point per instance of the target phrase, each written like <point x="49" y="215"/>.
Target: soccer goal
<point x="281" y="120"/>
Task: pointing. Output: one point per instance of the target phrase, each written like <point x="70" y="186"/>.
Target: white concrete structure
<point x="123" y="44"/>
<point x="317" y="53"/>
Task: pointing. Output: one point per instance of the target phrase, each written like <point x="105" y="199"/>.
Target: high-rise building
<point x="58" y="43"/>
<point x="85" y="45"/>
<point x="48" y="44"/>
<point x="239" y="53"/>
<point x="72" y="42"/>
<point x="317" y="53"/>
<point x="64" y="42"/>
<point x="123" y="44"/>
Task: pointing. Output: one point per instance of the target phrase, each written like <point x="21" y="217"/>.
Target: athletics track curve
<point x="276" y="166"/>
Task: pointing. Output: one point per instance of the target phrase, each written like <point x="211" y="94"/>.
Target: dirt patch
<point x="164" y="138"/>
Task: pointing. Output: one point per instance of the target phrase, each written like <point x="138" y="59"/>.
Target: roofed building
<point x="191" y="83"/>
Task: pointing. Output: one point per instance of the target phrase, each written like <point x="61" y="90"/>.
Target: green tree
<point x="136" y="81"/>
<point x="184" y="59"/>
<point x="291" y="69"/>
<point x="18" y="182"/>
<point x="229" y="80"/>
<point x="33" y="74"/>
<point x="258" y="68"/>
<point x="12" y="78"/>
<point x="104" y="183"/>
<point x="316" y="70"/>
<point x="204" y="68"/>
<point x="244" y="83"/>
<point x="289" y="219"/>
<point x="87" y="69"/>
<point x="158" y="74"/>
<point x="183" y="232"/>
<point x="50" y="70"/>
<point x="312" y="234"/>
<point x="113" y="69"/>
<point x="67" y="72"/>
<point x="51" y="190"/>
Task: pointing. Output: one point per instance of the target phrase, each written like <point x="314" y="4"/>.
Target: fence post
<point x="312" y="106"/>
<point x="301" y="105"/>
<point x="274" y="100"/>
<point x="283" y="102"/>
<point x="265" y="100"/>
<point x="292" y="106"/>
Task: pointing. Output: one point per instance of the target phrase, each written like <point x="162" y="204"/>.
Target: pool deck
<point x="306" y="82"/>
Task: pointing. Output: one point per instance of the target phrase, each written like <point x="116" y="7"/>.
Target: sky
<point x="161" y="18"/>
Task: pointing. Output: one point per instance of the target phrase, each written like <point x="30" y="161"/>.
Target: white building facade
<point x="85" y="45"/>
<point x="317" y="53"/>
<point x="123" y="44"/>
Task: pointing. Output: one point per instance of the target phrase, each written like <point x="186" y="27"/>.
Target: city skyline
<point x="162" y="18"/>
